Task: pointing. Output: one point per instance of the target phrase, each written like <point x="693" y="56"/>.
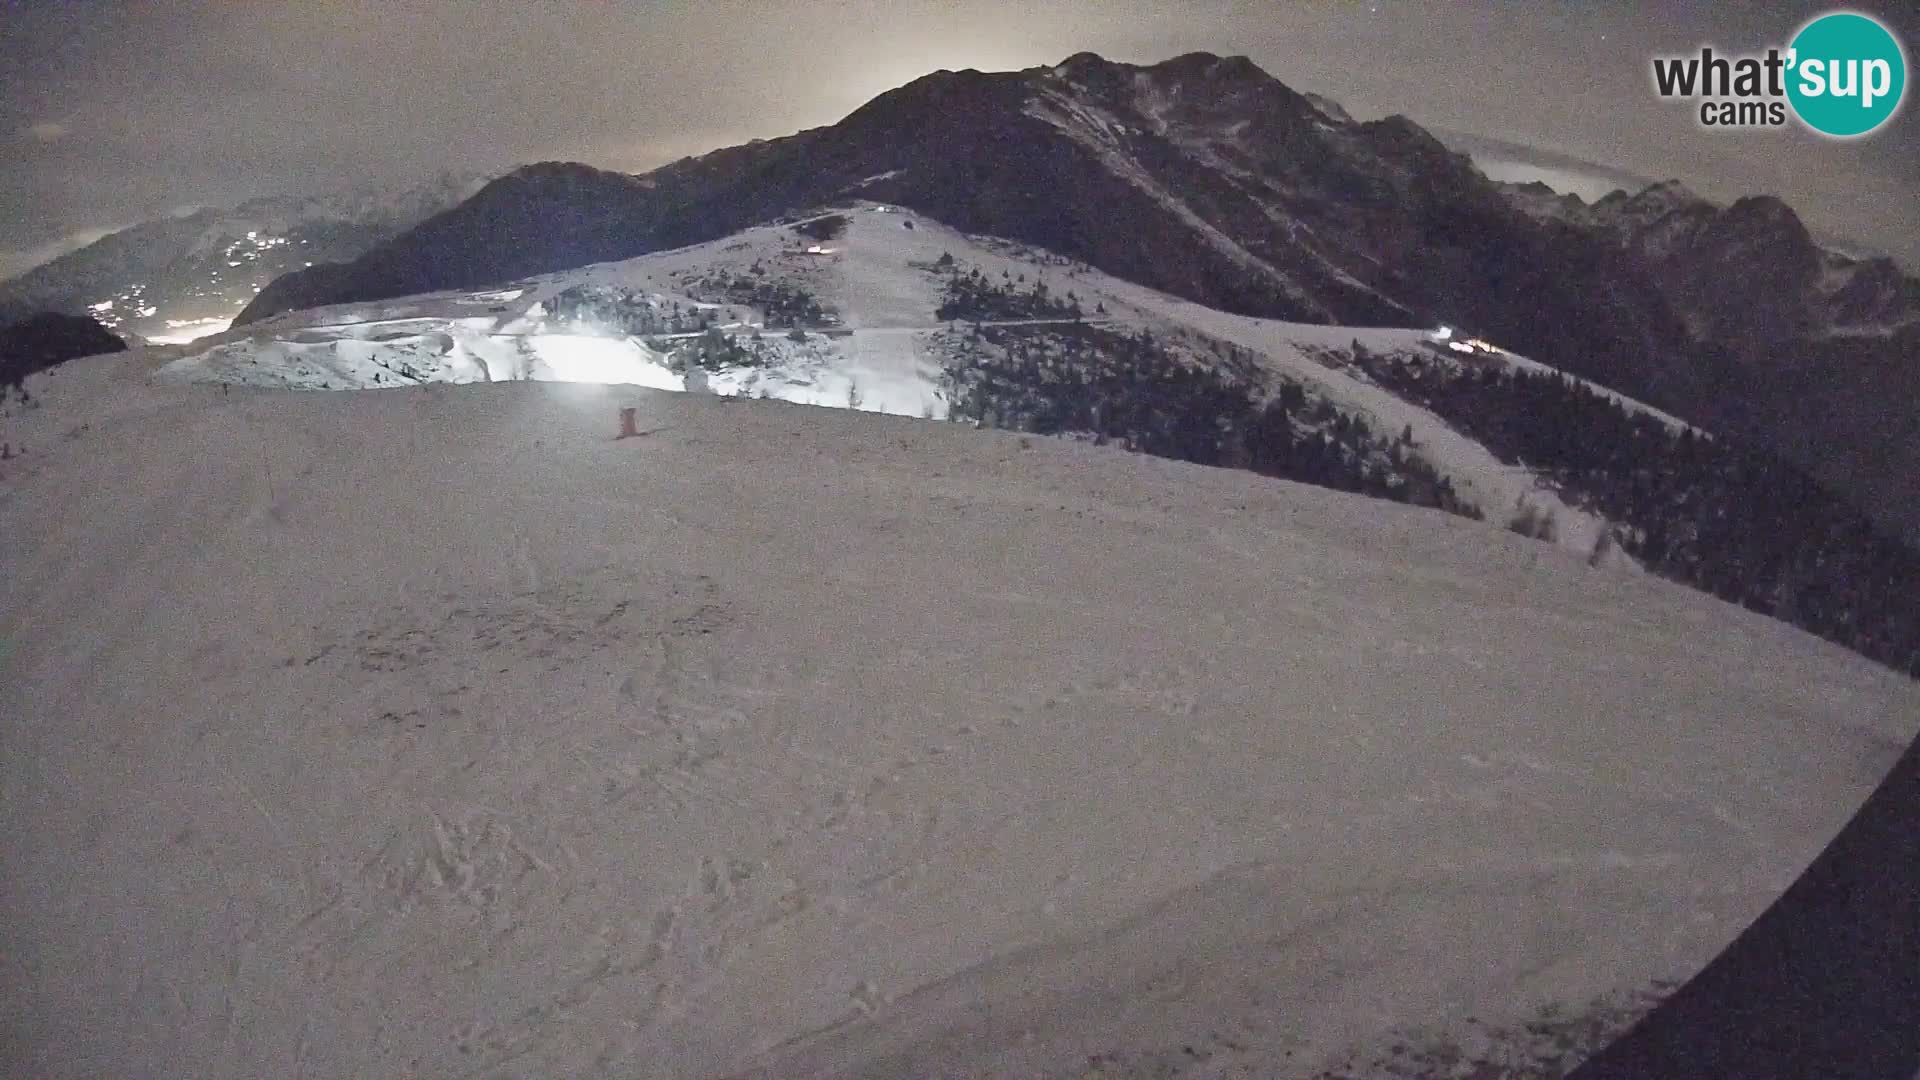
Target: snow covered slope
<point x="1481" y="477"/>
<point x="871" y="338"/>
<point x="865" y="347"/>
<point x="436" y="732"/>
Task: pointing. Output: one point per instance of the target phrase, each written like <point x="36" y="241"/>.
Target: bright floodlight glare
<point x="1443" y="333"/>
<point x="185" y="330"/>
<point x="577" y="358"/>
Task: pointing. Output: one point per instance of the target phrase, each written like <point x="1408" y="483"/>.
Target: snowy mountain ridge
<point x="876" y="341"/>
<point x="1680" y="233"/>
<point x="1235" y="191"/>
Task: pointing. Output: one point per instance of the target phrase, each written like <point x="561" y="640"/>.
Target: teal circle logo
<point x="1848" y="74"/>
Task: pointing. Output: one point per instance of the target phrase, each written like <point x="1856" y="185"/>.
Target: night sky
<point x="111" y="113"/>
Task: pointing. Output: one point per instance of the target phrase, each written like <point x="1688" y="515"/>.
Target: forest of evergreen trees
<point x="785" y="304"/>
<point x="1722" y="517"/>
<point x="1135" y="390"/>
<point x="713" y="350"/>
<point x="619" y="311"/>
<point x="630" y="312"/>
<point x="976" y="296"/>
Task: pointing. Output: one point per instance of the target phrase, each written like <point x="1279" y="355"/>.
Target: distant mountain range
<point x="1745" y="275"/>
<point x="1519" y="164"/>
<point x="1204" y="177"/>
<point x="1201" y="176"/>
<point x="181" y="276"/>
<point x="1815" y="353"/>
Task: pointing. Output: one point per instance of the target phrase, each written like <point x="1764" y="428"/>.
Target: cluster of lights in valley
<point x="134" y="303"/>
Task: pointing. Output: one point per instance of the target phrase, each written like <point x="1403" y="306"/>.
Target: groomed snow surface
<point x="435" y="732"/>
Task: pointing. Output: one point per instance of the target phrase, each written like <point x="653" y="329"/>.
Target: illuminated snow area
<point x="182" y="331"/>
<point x="573" y="358"/>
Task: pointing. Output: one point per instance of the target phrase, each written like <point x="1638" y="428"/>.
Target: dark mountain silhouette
<point x="41" y="341"/>
<point x="1745" y="274"/>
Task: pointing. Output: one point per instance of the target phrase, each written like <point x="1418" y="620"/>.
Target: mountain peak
<point x="1766" y="221"/>
<point x="559" y="170"/>
<point x="1082" y="60"/>
<point x="1764" y="208"/>
<point x="1210" y="63"/>
<point x="1667" y="192"/>
<point x="1404" y="131"/>
<point x="1193" y="65"/>
<point x="1330" y="109"/>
